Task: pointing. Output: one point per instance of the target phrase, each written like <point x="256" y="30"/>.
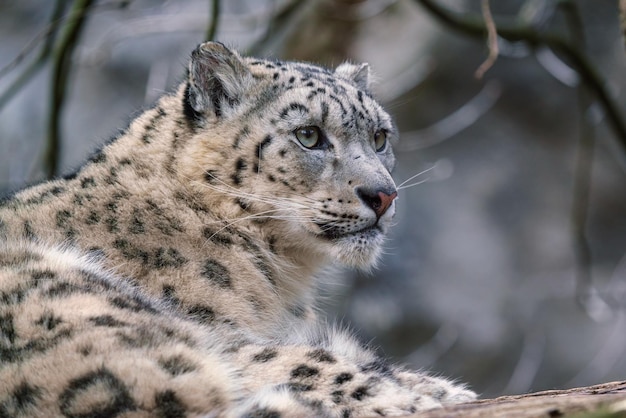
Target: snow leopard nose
<point x="378" y="200"/>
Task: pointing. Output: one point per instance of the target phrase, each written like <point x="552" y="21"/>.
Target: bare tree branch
<point x="587" y="295"/>
<point x="37" y="64"/>
<point x="492" y="41"/>
<point x="580" y="208"/>
<point x="215" y="15"/>
<point x="60" y="73"/>
<point x="622" y="18"/>
<point x="455" y="122"/>
<point x="278" y="23"/>
<point x="475" y="26"/>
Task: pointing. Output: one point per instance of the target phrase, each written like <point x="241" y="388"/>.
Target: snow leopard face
<point x="308" y="147"/>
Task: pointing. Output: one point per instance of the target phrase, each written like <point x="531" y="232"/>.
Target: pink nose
<point x="385" y="202"/>
<point x="378" y="200"/>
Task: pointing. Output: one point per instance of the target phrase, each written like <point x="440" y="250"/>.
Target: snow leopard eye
<point x="309" y="136"/>
<point x="380" y="140"/>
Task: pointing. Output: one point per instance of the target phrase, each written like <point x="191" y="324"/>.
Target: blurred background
<point x="507" y="266"/>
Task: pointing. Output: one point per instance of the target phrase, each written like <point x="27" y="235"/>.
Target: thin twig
<point x="46" y="34"/>
<point x="278" y="22"/>
<point x="215" y="14"/>
<point x="475" y="26"/>
<point x="492" y="40"/>
<point x="56" y="22"/>
<point x="580" y="200"/>
<point x="622" y="18"/>
<point x="60" y="72"/>
<point x="586" y="294"/>
<point x="455" y="122"/>
<point x="37" y="64"/>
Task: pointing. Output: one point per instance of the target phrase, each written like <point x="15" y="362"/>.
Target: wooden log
<point x="605" y="400"/>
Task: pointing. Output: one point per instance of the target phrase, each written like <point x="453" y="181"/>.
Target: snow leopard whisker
<point x="276" y="201"/>
<point x="417" y="183"/>
<point x="233" y="191"/>
<point x="421" y="173"/>
<point x="300" y="195"/>
<point x="260" y="215"/>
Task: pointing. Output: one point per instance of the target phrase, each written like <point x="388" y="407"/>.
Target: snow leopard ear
<point x="359" y="74"/>
<point x="218" y="78"/>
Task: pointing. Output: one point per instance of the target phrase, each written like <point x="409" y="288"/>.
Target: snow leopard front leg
<point x="335" y="376"/>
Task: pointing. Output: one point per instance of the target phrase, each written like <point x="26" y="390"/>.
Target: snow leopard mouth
<point x="334" y="233"/>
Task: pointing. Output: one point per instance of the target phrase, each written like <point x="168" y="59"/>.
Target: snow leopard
<point x="175" y="273"/>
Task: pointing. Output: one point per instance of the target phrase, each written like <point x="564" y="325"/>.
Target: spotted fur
<point x="173" y="274"/>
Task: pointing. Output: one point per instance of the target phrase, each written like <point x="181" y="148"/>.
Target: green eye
<point x="309" y="136"/>
<point x="380" y="140"/>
